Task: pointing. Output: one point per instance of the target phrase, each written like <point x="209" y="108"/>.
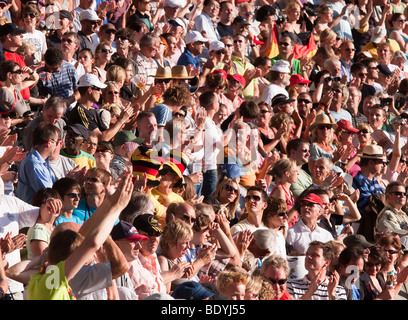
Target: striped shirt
<point x="62" y="83"/>
<point x="367" y="188"/>
<point x="298" y="287"/>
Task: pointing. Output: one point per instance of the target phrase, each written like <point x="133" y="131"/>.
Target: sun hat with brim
<point x="347" y="126"/>
<point x="146" y="161"/>
<point x="191" y="290"/>
<point x="162" y="73"/>
<point x="373" y="151"/>
<point x="322" y="119"/>
<point x="89" y="14"/>
<point x="180" y="73"/>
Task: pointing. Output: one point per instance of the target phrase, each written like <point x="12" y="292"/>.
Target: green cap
<point x="126" y="136"/>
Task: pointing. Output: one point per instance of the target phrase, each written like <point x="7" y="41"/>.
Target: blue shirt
<point x="62" y="83"/>
<point x="162" y="114"/>
<point x="62" y="219"/>
<point x="187" y="58"/>
<point x="367" y="188"/>
<point x="34" y="174"/>
<point x="84" y="211"/>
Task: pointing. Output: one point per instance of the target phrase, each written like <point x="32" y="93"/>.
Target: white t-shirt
<point x="15" y="214"/>
<point x="213" y="144"/>
<point x="37" y="38"/>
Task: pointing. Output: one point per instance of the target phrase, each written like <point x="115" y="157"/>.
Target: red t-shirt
<point x="13" y="56"/>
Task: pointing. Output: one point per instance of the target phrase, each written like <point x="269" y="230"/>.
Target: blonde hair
<point x="230" y="214"/>
<point x="227" y="278"/>
<point x="115" y="73"/>
<point x="174" y="231"/>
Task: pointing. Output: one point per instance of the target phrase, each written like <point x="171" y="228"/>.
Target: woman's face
<point x="5" y="121"/>
<point x="392" y="254"/>
<point x="16" y="75"/>
<point x="277" y="220"/>
<point x="294" y="14"/>
<point x="105" y="53"/>
<point x="372" y="267"/>
<point x="229" y="193"/>
<point x="29" y="19"/>
<point x="324" y="132"/>
<point x="129" y="73"/>
<point x="347" y="137"/>
<point x="265" y="115"/>
<point x="112" y="95"/>
<point x="364" y="136"/>
<point x="180" y="248"/>
<point x="327" y="16"/>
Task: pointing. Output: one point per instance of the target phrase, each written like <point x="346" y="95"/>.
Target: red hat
<point x="346" y="125"/>
<point x="238" y="78"/>
<point x="222" y="72"/>
<point x="313" y="198"/>
<point x="296" y="79"/>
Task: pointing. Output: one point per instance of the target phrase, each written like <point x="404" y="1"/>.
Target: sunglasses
<point x="229" y="45"/>
<point x="73" y="195"/>
<point x="403" y="161"/>
<point x="106" y="50"/>
<point x="264" y="111"/>
<point x="163" y="80"/>
<point x="96" y="88"/>
<point x="362" y="75"/>
<point x="399" y="193"/>
<point x="110" y="31"/>
<point x="238" y="41"/>
<point x="67" y="40"/>
<point x="112" y="92"/>
<point x="31" y="15"/>
<point x="322" y="127"/>
<point x="255" y="198"/>
<point x="364" y="131"/>
<point x="305" y="150"/>
<point x="186" y="218"/>
<point x="280" y="281"/>
<point x="6" y="116"/>
<point x="336" y="90"/>
<point x="17" y="71"/>
<point x="178" y="114"/>
<point x="304" y="101"/>
<point x="123" y="38"/>
<point x="391" y="251"/>
<point x="231" y="188"/>
<point x="284" y="44"/>
<point x="219" y="52"/>
<point x="349" y="49"/>
<point x="282" y="214"/>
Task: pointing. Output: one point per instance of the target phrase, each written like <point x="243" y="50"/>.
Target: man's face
<point x="68" y="44"/>
<point x="51" y="115"/>
<point x="172" y="46"/>
<point x="315" y="260"/>
<point x="150" y="246"/>
<point x="171" y="12"/>
<point x="227" y="12"/>
<point x="93" y="184"/>
<point x="130" y="249"/>
<point x="53" y="68"/>
<point x="148" y="128"/>
<point x="89" y="26"/>
<point x="73" y="141"/>
<point x="151" y="50"/>
<point x="396" y="197"/>
<point x="376" y="118"/>
<point x="122" y="42"/>
<point x="347" y="51"/>
<point x="310" y="211"/>
<point x="186" y="213"/>
<point x="240" y="44"/>
<point x="285" y="45"/>
<point x="354" y="99"/>
<point x="320" y="170"/>
<point x="254" y="203"/>
<point x="373" y="70"/>
<point x="16" y="39"/>
<point x="304" y="103"/>
<point x="107" y="35"/>
<point x="384" y="54"/>
<point x="197" y="47"/>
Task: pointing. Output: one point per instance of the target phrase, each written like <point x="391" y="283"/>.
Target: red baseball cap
<point x="238" y="78"/>
<point x="346" y="125"/>
<point x="296" y="79"/>
<point x="313" y="198"/>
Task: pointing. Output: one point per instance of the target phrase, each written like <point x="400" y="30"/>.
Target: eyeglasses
<point x="73" y="195"/>
<point x="106" y="50"/>
<point x="280" y="281"/>
<point x="391" y="251"/>
<point x="363" y="131"/>
<point x="31" y="15"/>
<point x="255" y="198"/>
<point x="186" y="218"/>
<point x="123" y="38"/>
<point x="17" y="71"/>
<point x="110" y="31"/>
<point x="323" y="127"/>
<point x="265" y="111"/>
<point x="67" y="40"/>
<point x="229" y="45"/>
<point x="362" y="75"/>
<point x="336" y="90"/>
<point x="96" y="88"/>
<point x="282" y="214"/>
<point x="303" y="101"/>
<point x="399" y="193"/>
<point x="231" y="188"/>
<point x="350" y="49"/>
<point x="5" y="116"/>
<point x="112" y="92"/>
<point x="238" y="41"/>
<point x="178" y="114"/>
<point x="284" y="44"/>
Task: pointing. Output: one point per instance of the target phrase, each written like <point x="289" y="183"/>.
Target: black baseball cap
<point x="9" y="28"/>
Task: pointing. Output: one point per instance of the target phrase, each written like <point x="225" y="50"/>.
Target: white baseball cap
<point x="174" y="3"/>
<point x="216" y="45"/>
<point x="90" y="80"/>
<point x="281" y="66"/>
<point x="194" y="36"/>
<point x="88" y="14"/>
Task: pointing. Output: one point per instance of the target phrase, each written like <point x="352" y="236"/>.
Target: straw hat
<point x="180" y="72"/>
<point x="162" y="73"/>
<point x="373" y="151"/>
<point x="322" y="119"/>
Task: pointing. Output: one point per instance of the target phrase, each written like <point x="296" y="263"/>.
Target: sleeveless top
<point x="290" y="201"/>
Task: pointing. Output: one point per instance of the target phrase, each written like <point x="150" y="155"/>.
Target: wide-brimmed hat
<point x="322" y="119"/>
<point x="162" y="73"/>
<point x="180" y="73"/>
<point x="378" y="34"/>
<point x="373" y="151"/>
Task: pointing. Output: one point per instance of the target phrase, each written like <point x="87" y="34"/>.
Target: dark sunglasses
<point x="17" y="71"/>
<point x="6" y="116"/>
<point x="186" y="217"/>
<point x="110" y="31"/>
<point x="238" y="41"/>
<point x="93" y="180"/>
<point x="403" y="161"/>
<point x="219" y="52"/>
<point x="362" y="75"/>
<point x="67" y="40"/>
<point x="336" y="90"/>
<point x="106" y="50"/>
<point x="282" y="214"/>
<point x="231" y="188"/>
<point x="96" y="89"/>
<point x="280" y="281"/>
<point x="229" y="45"/>
<point x="399" y="193"/>
<point x="73" y="195"/>
<point x="391" y="251"/>
<point x="363" y="131"/>
<point x="123" y="38"/>
<point x="178" y="114"/>
<point x="322" y="127"/>
<point x="31" y="15"/>
<point x="255" y="198"/>
<point x="163" y="80"/>
<point x="112" y="92"/>
<point x="303" y="100"/>
<point x="284" y="44"/>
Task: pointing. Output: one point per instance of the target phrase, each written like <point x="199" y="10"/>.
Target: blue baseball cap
<point x="191" y="290"/>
